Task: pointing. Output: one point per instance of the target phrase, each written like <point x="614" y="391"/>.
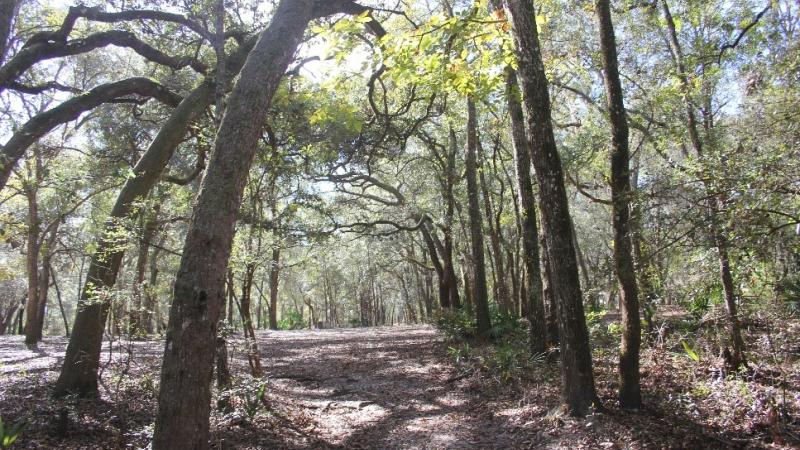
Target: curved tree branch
<point x="41" y="51"/>
<point x="97" y="15"/>
<point x="732" y="45"/>
<point x="39" y="88"/>
<point x="199" y="166"/>
<point x="70" y="110"/>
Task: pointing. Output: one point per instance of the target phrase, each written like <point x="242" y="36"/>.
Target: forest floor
<point x="400" y="387"/>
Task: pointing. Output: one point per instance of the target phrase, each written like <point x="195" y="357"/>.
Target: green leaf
<point x="363" y="17"/>
<point x="690" y="351"/>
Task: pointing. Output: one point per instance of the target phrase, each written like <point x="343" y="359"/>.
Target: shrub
<point x="603" y="334"/>
<point x="506" y="326"/>
<point x="254" y="400"/>
<point x="293" y="321"/>
<point x="508" y="361"/>
<point x="788" y="291"/>
<point x="461" y="353"/>
<point x="456" y="325"/>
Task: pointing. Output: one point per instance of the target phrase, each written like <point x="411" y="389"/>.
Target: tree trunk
<point x="60" y="302"/>
<point x="577" y="381"/>
<point x="409" y="306"/>
<point x="274" y="280"/>
<point x="444" y="293"/>
<point x="7" y="319"/>
<point x="428" y="279"/>
<point x="8" y="11"/>
<point x="480" y="294"/>
<point x="629" y="388"/>
<point x="716" y="206"/>
<point x="32" y="337"/>
<point x="79" y="370"/>
<point x="583" y="271"/>
<point x="469" y="304"/>
<point x="515" y="275"/>
<point x="503" y="299"/>
<point x="530" y="233"/>
<point x="221" y="343"/>
<point x="253" y="358"/>
<point x="737" y="357"/>
<point x="152" y="316"/>
<point x="447" y="255"/>
<point x="221" y="358"/>
<point x="182" y="421"/>
<point x="39" y="256"/>
<point x="46" y="251"/>
<point x="20" y="317"/>
<point x="149" y="222"/>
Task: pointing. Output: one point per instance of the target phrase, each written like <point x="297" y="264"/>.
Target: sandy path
<point x="376" y="388"/>
<point x="367" y="388"/>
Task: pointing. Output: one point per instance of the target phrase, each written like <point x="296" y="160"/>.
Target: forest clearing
<point x="384" y="224"/>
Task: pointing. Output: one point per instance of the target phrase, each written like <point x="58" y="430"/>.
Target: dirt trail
<point x="378" y="388"/>
<point x="367" y="388"/>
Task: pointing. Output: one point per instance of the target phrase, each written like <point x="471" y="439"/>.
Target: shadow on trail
<point x="369" y="388"/>
<point x="379" y="388"/>
<point x="388" y="389"/>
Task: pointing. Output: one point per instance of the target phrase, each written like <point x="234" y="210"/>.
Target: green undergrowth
<point x="503" y="355"/>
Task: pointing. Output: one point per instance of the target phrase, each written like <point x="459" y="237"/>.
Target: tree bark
<point x="480" y="294"/>
<point x="548" y="297"/>
<point x="149" y="222"/>
<point x="79" y="372"/>
<point x="182" y="421"/>
<point x="629" y="388"/>
<point x="527" y="202"/>
<point x="274" y="280"/>
<point x="447" y="256"/>
<point x="8" y="11"/>
<point x="151" y="318"/>
<point x="577" y="381"/>
<point x="444" y="293"/>
<point x="253" y="358"/>
<point x="503" y="299"/>
<point x="31" y="187"/>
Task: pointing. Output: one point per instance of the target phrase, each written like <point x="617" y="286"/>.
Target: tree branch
<point x="199" y="166"/>
<point x="71" y="109"/>
<point x="41" y="51"/>
<point x="97" y="15"/>
<point x="744" y="31"/>
<point x="39" y="88"/>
